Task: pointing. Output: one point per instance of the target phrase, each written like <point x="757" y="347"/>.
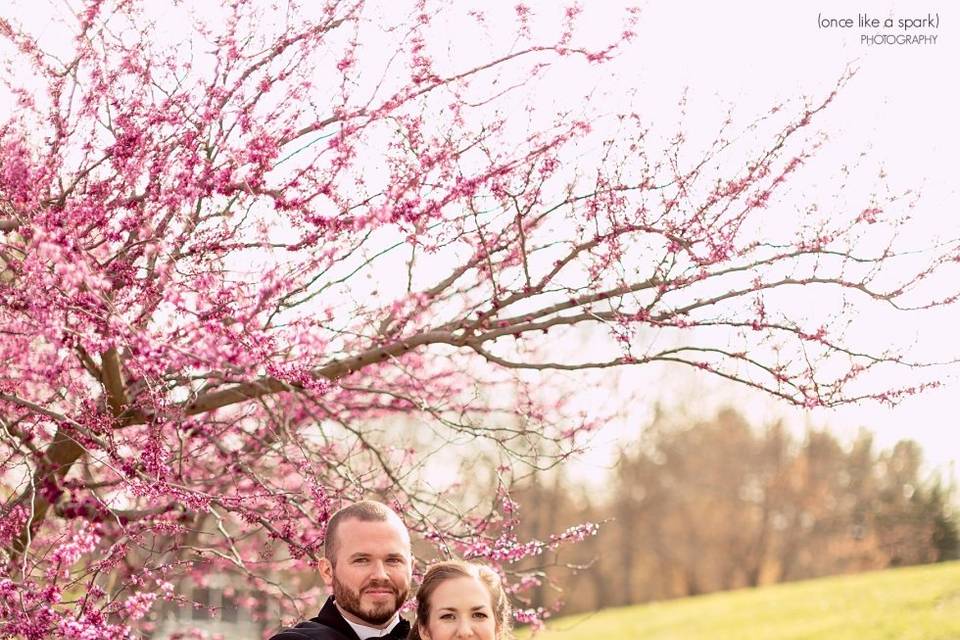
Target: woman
<point x="461" y="601"/>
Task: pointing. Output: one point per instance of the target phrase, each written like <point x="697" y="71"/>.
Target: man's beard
<point x="349" y="601"/>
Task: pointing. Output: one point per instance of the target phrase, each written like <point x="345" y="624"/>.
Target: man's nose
<point x="380" y="570"/>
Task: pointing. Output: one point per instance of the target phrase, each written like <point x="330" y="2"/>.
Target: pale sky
<point x="901" y="108"/>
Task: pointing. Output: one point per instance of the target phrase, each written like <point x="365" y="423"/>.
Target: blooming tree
<point x="237" y="263"/>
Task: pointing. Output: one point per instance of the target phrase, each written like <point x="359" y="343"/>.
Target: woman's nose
<point x="464" y="629"/>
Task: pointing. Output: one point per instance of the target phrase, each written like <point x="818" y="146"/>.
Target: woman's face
<point x="460" y="609"/>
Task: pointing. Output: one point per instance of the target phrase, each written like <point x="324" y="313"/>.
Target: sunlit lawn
<point x="903" y="604"/>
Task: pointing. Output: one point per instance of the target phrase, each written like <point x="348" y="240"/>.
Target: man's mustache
<point x="380" y="586"/>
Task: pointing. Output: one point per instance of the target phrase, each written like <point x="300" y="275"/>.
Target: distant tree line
<point x="719" y="504"/>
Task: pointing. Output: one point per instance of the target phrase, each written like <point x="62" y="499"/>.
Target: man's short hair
<point x="364" y="511"/>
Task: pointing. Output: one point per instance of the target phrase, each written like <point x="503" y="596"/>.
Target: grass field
<point x="915" y="603"/>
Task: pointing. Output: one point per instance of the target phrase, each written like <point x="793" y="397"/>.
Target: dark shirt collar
<point x="330" y="616"/>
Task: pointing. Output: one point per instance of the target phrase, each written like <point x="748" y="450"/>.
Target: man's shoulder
<point x="328" y="625"/>
<point x="310" y="630"/>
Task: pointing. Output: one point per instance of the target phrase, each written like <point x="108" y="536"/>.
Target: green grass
<point x="915" y="603"/>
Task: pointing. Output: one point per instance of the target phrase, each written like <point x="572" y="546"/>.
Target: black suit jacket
<point x="330" y="625"/>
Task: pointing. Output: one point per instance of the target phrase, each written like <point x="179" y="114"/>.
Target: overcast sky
<point x="901" y="108"/>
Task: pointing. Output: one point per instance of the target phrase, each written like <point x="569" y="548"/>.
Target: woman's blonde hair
<point x="441" y="572"/>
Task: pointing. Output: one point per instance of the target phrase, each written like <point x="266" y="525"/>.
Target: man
<point x="367" y="564"/>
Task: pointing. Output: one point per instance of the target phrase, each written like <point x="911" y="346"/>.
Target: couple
<point x="367" y="563"/>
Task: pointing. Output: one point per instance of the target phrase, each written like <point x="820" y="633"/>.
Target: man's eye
<point x="359" y="561"/>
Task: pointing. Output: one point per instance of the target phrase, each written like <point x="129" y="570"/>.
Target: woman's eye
<point x="446" y="616"/>
<point x="480" y="614"/>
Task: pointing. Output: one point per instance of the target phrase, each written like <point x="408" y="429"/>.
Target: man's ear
<point x="326" y="572"/>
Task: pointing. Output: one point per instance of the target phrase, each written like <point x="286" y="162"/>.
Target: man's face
<point x="371" y="576"/>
